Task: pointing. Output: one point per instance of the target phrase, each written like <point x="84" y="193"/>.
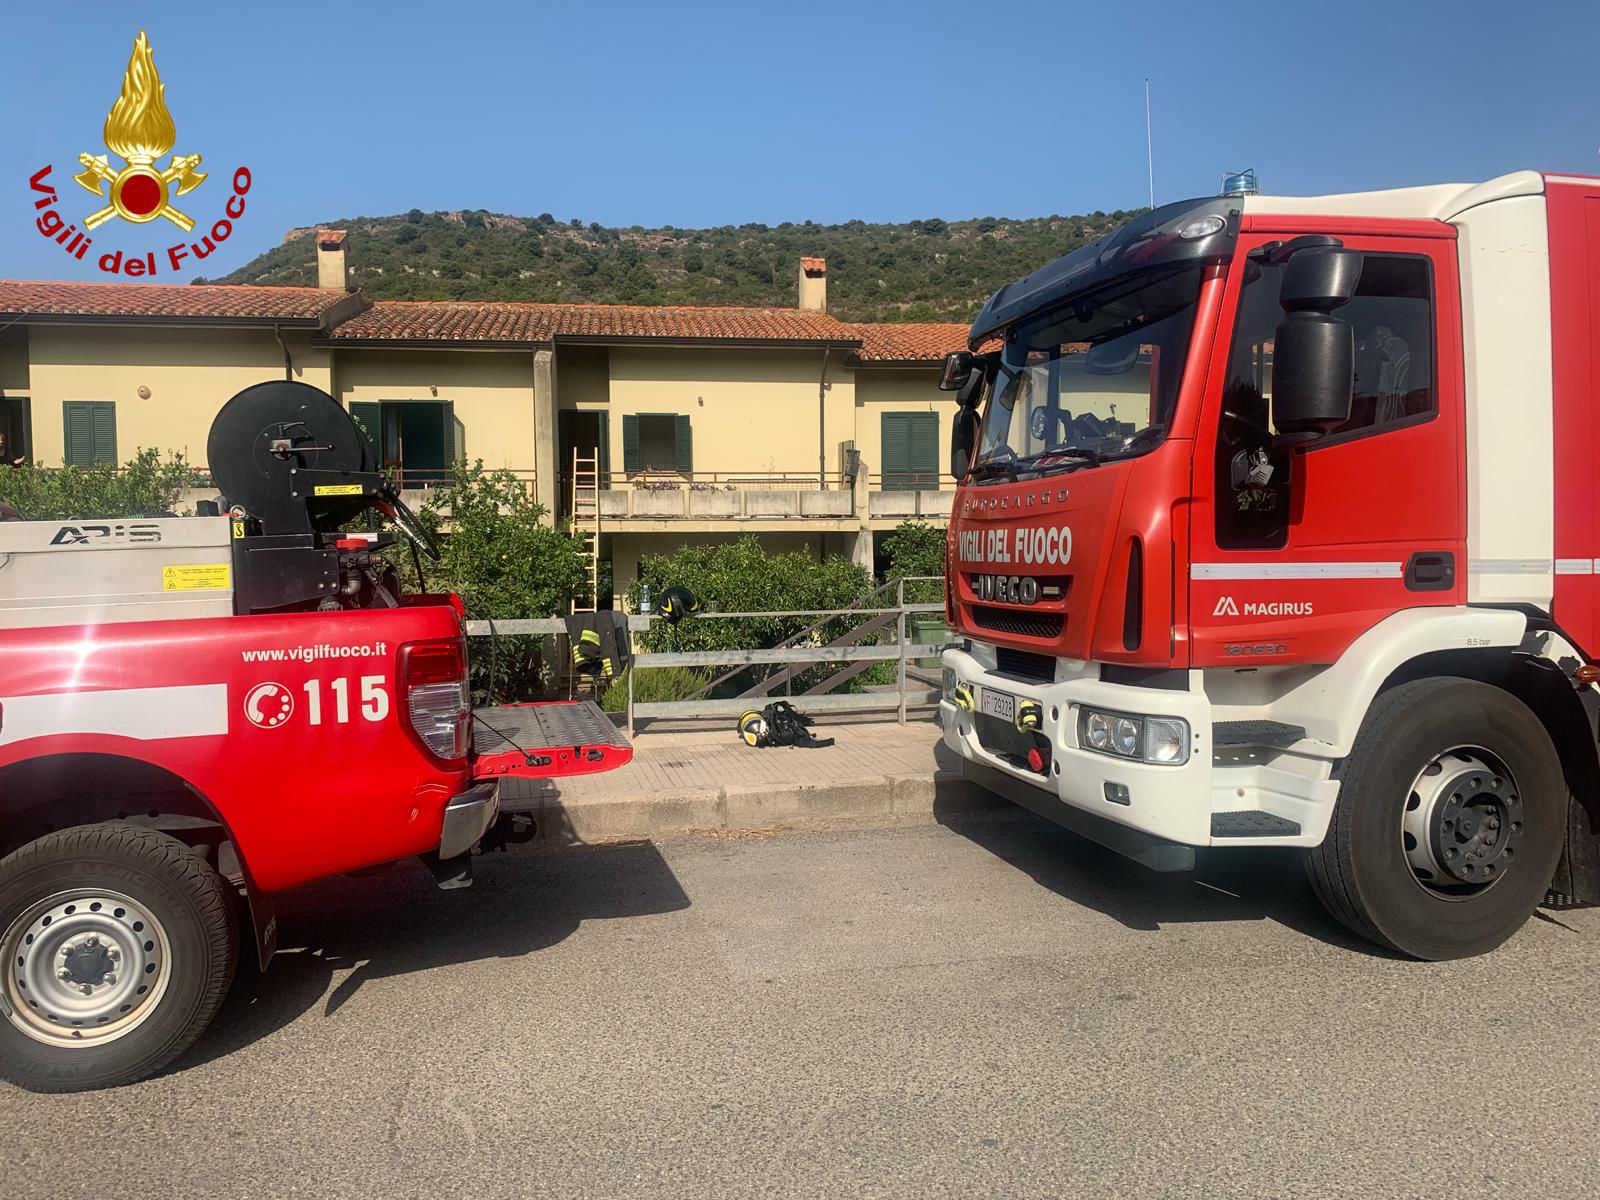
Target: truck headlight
<point x="1161" y="740"/>
<point x="1166" y="740"/>
<point x="948" y="681"/>
<point x="1094" y="730"/>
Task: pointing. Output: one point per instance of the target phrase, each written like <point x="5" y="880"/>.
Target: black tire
<point x="1361" y="871"/>
<point x="190" y="910"/>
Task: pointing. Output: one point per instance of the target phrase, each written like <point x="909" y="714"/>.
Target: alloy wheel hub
<point x="1463" y="822"/>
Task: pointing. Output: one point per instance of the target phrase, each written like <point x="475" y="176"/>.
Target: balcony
<point x="901" y="496"/>
<point x="712" y="496"/>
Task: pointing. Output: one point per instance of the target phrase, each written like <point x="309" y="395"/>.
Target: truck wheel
<point x="118" y="944"/>
<point x="1449" y="821"/>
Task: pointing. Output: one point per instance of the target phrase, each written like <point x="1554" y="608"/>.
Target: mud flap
<point x="1577" y="879"/>
<point x="264" y="920"/>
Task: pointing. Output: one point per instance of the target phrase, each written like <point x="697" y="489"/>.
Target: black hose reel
<point x="295" y="469"/>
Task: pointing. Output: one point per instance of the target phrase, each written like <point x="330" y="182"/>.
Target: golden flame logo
<point x="139" y="129"/>
<point x="139" y="125"/>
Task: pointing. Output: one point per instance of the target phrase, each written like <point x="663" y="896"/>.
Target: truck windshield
<point x="1093" y="379"/>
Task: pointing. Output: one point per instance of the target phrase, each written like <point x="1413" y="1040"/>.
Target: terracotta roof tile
<point x="147" y="301"/>
<point x="489" y="321"/>
<point x="502" y="322"/>
<point x="911" y="342"/>
<point x="444" y="321"/>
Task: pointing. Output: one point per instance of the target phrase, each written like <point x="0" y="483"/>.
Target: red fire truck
<point x="1277" y="526"/>
<point x="199" y="712"/>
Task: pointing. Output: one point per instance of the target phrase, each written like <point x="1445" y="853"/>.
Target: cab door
<point x="1295" y="552"/>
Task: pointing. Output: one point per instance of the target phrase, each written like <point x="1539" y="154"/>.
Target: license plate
<point x="998" y="704"/>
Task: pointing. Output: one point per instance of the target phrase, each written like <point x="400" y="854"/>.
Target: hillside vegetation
<point x="918" y="271"/>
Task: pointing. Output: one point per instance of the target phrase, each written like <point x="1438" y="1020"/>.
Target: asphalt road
<point x="988" y="1009"/>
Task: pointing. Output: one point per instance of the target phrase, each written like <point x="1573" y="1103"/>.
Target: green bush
<point x="505" y="564"/>
<point x="653" y="684"/>
<point x="913" y="549"/>
<point x="149" y="483"/>
<point x="741" y="576"/>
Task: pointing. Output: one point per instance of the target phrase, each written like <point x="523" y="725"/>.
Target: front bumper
<point x="468" y="817"/>
<point x="1172" y="803"/>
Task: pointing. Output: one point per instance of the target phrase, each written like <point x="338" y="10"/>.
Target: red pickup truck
<point x="171" y="755"/>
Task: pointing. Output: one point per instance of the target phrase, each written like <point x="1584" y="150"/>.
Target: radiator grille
<point x="1022" y="624"/>
<point x="1024" y="664"/>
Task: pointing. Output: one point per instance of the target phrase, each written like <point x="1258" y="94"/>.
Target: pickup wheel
<point x="1449" y="821"/>
<point x="118" y="945"/>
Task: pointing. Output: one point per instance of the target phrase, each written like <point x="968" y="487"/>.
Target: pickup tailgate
<point x="545" y="741"/>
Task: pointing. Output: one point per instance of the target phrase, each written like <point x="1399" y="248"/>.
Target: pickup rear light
<point x="433" y="695"/>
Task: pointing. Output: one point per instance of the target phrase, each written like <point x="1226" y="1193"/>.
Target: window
<point x="1391" y="317"/>
<point x="418" y="442"/>
<point x="657" y="442"/>
<point x="16" y="430"/>
<point x="91" y="432"/>
<point x="910" y="450"/>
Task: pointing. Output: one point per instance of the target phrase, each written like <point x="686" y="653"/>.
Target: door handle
<point x="1431" y="571"/>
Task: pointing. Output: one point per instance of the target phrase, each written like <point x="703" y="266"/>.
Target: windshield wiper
<point x="996" y="466"/>
<point x="1083" y="452"/>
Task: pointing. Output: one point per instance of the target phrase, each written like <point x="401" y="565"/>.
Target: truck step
<point x="537" y="741"/>
<point x="1252" y="824"/>
<point x="1256" y="733"/>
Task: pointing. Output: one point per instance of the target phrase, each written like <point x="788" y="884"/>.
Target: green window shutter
<point x="683" y="442"/>
<point x="630" y="442"/>
<point x="924" y="449"/>
<point x="79" y="442"/>
<point x="451" y="451"/>
<point x="91" y="432"/>
<point x="368" y="416"/>
<point x="896" y="450"/>
<point x="104" y="418"/>
<point x="603" y="455"/>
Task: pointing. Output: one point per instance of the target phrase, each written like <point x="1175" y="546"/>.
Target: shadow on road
<point x="1226" y="885"/>
<point x="397" y="923"/>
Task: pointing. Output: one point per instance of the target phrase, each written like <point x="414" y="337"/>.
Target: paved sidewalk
<point x="698" y="777"/>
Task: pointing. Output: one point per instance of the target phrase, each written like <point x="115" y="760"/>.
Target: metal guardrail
<point x="902" y="698"/>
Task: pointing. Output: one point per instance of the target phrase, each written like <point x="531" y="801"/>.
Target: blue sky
<point x="703" y="114"/>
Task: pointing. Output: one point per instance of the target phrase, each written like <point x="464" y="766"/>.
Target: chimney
<point x="333" y="259"/>
<point x="814" y="284"/>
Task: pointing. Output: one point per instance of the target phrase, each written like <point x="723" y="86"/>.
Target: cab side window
<point x="1391" y="317"/>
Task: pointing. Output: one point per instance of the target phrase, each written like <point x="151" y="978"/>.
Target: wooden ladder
<point x="585" y="510"/>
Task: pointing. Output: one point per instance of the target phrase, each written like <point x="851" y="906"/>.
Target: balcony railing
<point x="725" y="495"/>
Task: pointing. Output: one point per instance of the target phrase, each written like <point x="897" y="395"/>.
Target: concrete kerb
<point x="742" y="809"/>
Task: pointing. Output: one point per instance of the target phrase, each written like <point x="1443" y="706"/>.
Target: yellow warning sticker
<point x="338" y="489"/>
<point x="238" y="529"/>
<point x="195" y="577"/>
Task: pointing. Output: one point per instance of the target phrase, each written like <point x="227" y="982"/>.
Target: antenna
<point x="1149" y="152"/>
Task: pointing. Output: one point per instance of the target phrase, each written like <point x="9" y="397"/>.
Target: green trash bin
<point x="928" y="629"/>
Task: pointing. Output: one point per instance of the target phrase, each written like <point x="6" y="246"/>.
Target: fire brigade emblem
<point x="268" y="705"/>
<point x="139" y="130"/>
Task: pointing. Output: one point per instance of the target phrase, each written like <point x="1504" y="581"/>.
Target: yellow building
<point x="697" y="423"/>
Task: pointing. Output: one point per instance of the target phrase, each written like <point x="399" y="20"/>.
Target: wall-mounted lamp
<point x="144" y="392"/>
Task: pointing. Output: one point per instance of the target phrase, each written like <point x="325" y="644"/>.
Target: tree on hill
<point x="930" y="269"/>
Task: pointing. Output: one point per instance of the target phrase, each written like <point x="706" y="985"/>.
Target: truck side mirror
<point x="963" y="441"/>
<point x="957" y="371"/>
<point x="1314" y="352"/>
